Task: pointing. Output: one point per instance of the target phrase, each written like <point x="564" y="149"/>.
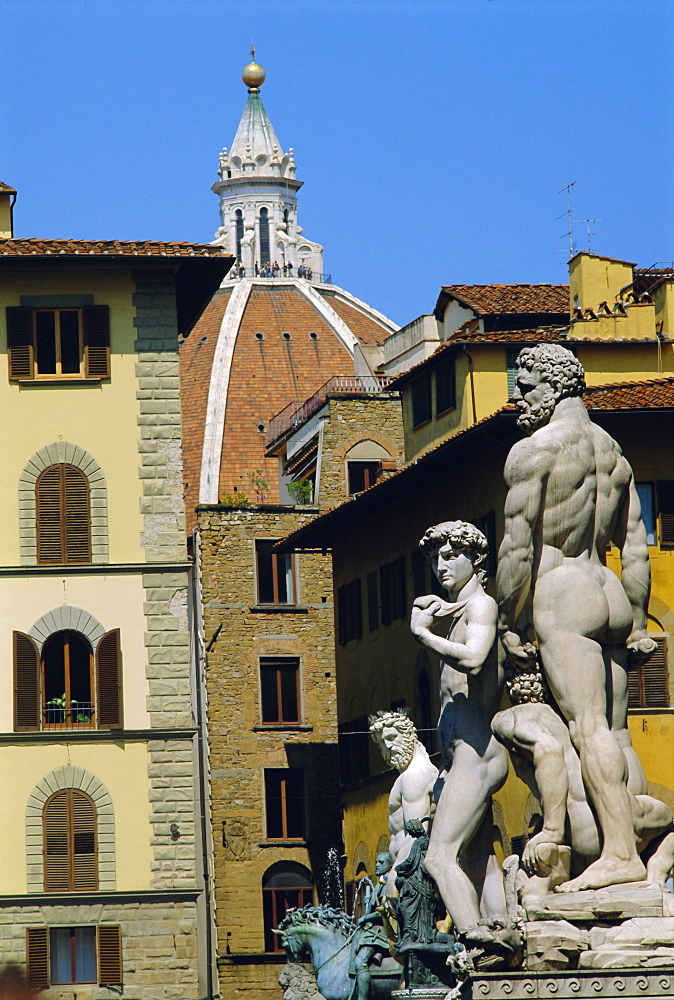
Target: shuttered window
<point x="393" y="591"/>
<point x="59" y="955"/>
<point x="648" y="684"/>
<point x="69" y="842"/>
<point x="66" y="687"/>
<point x="666" y="511"/>
<point x="349" y="612"/>
<point x="58" y="343"/>
<point x="63" y="516"/>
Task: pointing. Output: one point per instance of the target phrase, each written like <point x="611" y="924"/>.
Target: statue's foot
<point x="605" y="872"/>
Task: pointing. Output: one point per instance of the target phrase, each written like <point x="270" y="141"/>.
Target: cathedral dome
<point x="275" y="332"/>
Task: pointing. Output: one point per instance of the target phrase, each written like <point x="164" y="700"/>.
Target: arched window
<point x="63" y="516"/>
<point x="286" y="218"/>
<point x="285" y="885"/>
<point x="69" y="842"/>
<point x="64" y="686"/>
<point x="265" y="251"/>
<point x="238" y="215"/>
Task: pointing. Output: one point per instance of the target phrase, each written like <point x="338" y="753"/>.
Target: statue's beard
<point x="401" y="757"/>
<point x="535" y="415"/>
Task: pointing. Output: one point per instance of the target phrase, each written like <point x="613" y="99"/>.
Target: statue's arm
<point x="525" y="474"/>
<point x="632" y="541"/>
<point x="480" y="617"/>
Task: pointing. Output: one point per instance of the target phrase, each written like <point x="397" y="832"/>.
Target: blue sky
<point x="432" y="137"/>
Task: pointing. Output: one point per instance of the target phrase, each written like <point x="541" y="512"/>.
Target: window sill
<point x="276" y="608"/>
<point x="253" y="958"/>
<point x="288" y="727"/>
<point x="282" y="843"/>
<point x="442" y="413"/>
<point x="23" y="382"/>
<point x="422" y="423"/>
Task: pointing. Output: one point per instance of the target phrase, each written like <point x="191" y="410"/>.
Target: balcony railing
<point x="295" y="414"/>
<point x="315" y="277"/>
<point x="79" y="715"/>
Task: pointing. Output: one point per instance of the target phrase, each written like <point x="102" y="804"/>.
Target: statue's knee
<point x="503" y="725"/>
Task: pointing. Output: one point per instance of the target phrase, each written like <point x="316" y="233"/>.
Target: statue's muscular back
<point x="584" y="483"/>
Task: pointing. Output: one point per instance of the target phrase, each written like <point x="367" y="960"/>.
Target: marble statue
<point x="370" y="941"/>
<point x="460" y="856"/>
<point x="570" y="493"/>
<point x="412" y="794"/>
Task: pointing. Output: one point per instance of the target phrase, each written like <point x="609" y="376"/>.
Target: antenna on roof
<point x="567" y="213"/>
<point x="593" y="232"/>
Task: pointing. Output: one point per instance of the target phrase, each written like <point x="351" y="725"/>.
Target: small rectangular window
<point x="648" y="684"/>
<point x="372" y="602"/>
<point x="284" y="803"/>
<point x="362" y="475"/>
<point x="445" y="386"/>
<point x="349" y="611"/>
<point x="646" y="492"/>
<point x="280" y="689"/>
<point x="393" y="591"/>
<point x="72" y="953"/>
<point x="421" y="400"/>
<point x="274" y="574"/>
<point x="58" y="342"/>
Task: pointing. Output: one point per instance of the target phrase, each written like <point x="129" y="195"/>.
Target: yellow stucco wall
<point x="594" y="279"/>
<point x="99" y="417"/>
<point x="116" y="601"/>
<point x="123" y="770"/>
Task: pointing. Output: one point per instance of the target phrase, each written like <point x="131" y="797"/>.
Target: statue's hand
<point x="424" y="611"/>
<point x="522" y="655"/>
<point x="640" y="647"/>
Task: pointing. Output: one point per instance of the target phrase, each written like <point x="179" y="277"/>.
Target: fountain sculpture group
<point x="588" y="894"/>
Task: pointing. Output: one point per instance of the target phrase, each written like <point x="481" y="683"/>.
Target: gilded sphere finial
<point x="253" y="75"/>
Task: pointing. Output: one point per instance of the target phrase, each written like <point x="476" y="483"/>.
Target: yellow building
<point x="101" y="881"/>
<point x="458" y="431"/>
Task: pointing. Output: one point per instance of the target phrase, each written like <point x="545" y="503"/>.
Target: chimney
<point x="7" y="200"/>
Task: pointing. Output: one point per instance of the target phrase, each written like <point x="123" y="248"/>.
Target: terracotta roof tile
<point x="654" y="394"/>
<point x="488" y="299"/>
<point x="7" y="188"/>
<point x="113" y="248"/>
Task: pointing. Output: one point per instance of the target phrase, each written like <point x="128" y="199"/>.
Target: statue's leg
<point x="362" y="963"/>
<point x="460" y="812"/>
<point x="568" y="609"/>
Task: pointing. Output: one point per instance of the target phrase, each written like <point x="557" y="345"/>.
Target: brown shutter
<point x="83" y="838"/>
<point x="109" y="954"/>
<point x="26" y="683"/>
<point x="49" y="509"/>
<point x="56" y="843"/>
<point x="96" y="341"/>
<point x="20" y="342"/>
<point x="109" y="681"/>
<point x="655" y="680"/>
<point x="77" y="515"/>
<point x="37" y="957"/>
<point x="666" y="510"/>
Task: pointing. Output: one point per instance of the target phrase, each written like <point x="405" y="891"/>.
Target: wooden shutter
<point x="109" y="681"/>
<point x="77" y="534"/>
<point x="109" y="939"/>
<point x="648" y="684"/>
<point x="666" y="510"/>
<point x="49" y="509"/>
<point x="69" y="842"/>
<point x="37" y="957"/>
<point x="83" y="837"/>
<point x="96" y="341"/>
<point x="341" y="614"/>
<point x="56" y="843"/>
<point x="63" y="516"/>
<point x="20" y="343"/>
<point x="26" y="683"/>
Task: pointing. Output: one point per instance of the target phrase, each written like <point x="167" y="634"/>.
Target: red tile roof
<point x="366" y="328"/>
<point x="489" y="299"/>
<point x="112" y="248"/>
<point x="655" y="394"/>
<point x="7" y="189"/>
